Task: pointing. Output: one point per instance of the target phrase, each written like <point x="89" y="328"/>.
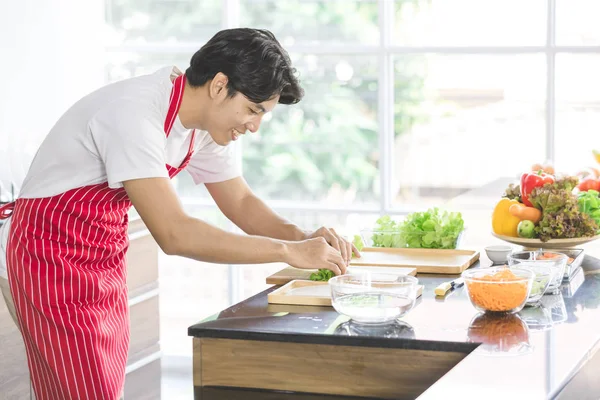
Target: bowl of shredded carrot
<point x="498" y="289"/>
<point x="499" y="334"/>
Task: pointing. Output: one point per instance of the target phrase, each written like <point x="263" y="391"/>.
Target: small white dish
<point x="498" y="254"/>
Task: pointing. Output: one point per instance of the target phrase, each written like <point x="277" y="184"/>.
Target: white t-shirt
<point x="116" y="134"/>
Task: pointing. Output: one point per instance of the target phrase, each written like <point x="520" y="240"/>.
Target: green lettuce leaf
<point x="322" y="275"/>
<point x="550" y="198"/>
<point x="589" y="203"/>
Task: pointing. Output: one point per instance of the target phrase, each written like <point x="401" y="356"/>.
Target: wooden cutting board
<point x="425" y="261"/>
<point x="290" y="273"/>
<point x="307" y="293"/>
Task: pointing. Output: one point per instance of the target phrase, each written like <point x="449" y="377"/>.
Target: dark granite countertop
<point x="538" y="353"/>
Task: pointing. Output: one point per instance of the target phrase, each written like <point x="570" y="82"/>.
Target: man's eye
<point x="252" y="111"/>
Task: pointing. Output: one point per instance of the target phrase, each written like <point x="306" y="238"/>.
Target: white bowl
<point x="498" y="253"/>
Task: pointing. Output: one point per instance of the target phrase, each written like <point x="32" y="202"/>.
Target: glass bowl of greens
<point x="543" y="275"/>
<point x="373" y="298"/>
<point x="557" y="262"/>
<point x="412" y="240"/>
<point x="431" y="229"/>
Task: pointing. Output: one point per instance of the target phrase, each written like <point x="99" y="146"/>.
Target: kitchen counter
<point x="443" y="348"/>
<point x="443" y="345"/>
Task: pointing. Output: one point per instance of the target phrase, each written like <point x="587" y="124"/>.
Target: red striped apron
<point x="67" y="274"/>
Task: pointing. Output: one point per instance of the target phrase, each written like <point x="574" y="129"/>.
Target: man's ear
<point x="218" y="86"/>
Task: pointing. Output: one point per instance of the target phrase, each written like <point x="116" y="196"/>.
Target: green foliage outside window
<point x="327" y="146"/>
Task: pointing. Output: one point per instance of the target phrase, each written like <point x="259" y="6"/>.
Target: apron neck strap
<point x="174" y="102"/>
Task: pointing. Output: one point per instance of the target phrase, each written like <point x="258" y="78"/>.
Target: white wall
<point x="51" y="53"/>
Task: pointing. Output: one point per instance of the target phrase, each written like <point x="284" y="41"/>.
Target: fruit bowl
<point x="550" y="244"/>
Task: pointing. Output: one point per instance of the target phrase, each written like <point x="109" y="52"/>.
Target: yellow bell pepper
<point x="503" y="222"/>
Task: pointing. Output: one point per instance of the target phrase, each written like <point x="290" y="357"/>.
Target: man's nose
<point x="253" y="126"/>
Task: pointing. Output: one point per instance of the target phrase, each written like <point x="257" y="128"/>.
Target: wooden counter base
<point x="318" y="368"/>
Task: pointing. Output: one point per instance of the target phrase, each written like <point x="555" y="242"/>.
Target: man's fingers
<point x="334" y="268"/>
<point x="348" y="251"/>
<point x="337" y="259"/>
<point x="355" y="250"/>
<point x="344" y="250"/>
<point x="332" y="240"/>
<point x="341" y="246"/>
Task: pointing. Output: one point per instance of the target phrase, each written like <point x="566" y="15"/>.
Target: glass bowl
<point x="554" y="260"/>
<point x="498" y="289"/>
<point x="373" y="298"/>
<point x="414" y="240"/>
<point x="573" y="262"/>
<point x="541" y="280"/>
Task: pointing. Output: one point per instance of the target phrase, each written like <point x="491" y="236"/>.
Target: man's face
<point x="231" y="117"/>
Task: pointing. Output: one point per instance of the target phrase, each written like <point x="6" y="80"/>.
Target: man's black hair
<point x="255" y="64"/>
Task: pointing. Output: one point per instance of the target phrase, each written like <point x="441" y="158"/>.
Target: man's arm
<point x="236" y="200"/>
<point x="180" y="234"/>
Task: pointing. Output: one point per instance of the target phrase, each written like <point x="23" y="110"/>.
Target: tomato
<point x="589" y="184"/>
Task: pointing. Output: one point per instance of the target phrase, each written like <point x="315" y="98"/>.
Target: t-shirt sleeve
<point x="130" y="141"/>
<point x="214" y="163"/>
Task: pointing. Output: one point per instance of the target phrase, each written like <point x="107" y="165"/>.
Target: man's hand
<point x="336" y="241"/>
<point x="315" y="254"/>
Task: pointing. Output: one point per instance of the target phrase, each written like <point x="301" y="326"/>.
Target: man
<point x="66" y="238"/>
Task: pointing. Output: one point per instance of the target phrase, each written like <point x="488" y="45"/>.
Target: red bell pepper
<point x="532" y="180"/>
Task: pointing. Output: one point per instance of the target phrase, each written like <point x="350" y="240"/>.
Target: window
<point x="457" y="115"/>
<point x="314" y="22"/>
<point x="576" y="24"/>
<point x="455" y="23"/>
<point x="408" y="102"/>
<point x="164" y="22"/>
<point x="325" y="148"/>
<point x="577" y="110"/>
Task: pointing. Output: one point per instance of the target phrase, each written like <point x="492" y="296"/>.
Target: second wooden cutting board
<point x="290" y="273"/>
<point x="307" y="293"/>
<point x="429" y="261"/>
